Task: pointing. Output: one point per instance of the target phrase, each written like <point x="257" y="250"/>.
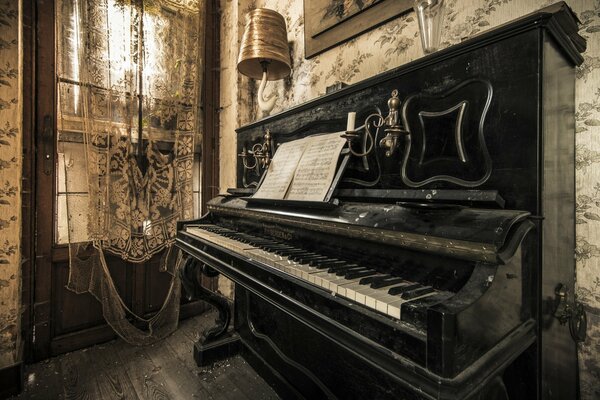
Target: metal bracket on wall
<point x="48" y="144"/>
<point x="571" y="313"/>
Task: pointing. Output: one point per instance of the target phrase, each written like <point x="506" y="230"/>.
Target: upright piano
<point x="442" y="266"/>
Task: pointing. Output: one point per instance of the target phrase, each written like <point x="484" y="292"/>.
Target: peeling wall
<point x="396" y="43"/>
<point x="10" y="181"/>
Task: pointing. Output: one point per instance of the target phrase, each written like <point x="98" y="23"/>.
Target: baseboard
<point x="103" y="333"/>
<point x="81" y="339"/>
<point x="12" y="377"/>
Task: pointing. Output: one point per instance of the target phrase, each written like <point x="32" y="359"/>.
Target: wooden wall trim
<point x="28" y="181"/>
<point x="45" y="97"/>
<point x="210" y="105"/>
<point x="11" y="380"/>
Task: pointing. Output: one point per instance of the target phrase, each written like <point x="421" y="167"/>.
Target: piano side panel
<point x="495" y="303"/>
<point x="557" y="196"/>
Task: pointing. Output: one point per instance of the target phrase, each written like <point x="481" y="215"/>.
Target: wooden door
<point x="63" y="320"/>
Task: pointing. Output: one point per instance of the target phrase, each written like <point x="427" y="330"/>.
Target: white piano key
<point x="289" y="266"/>
<point x="372" y="296"/>
<point x="322" y="279"/>
<point x="350" y="290"/>
<point x="304" y="271"/>
<point x="334" y="283"/>
<point x="383" y="300"/>
<point x="394" y="308"/>
<point x="364" y="293"/>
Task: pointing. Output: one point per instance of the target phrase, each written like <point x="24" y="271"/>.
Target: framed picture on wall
<point x="328" y="23"/>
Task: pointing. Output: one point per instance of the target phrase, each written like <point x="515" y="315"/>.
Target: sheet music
<point x="281" y="170"/>
<point x="316" y="169"/>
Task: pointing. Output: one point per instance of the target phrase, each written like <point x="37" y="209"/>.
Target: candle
<point x="351" y="121"/>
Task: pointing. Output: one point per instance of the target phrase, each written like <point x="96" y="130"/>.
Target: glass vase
<point x="430" y="14"/>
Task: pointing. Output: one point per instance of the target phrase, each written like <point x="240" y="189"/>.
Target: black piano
<point x="441" y="266"/>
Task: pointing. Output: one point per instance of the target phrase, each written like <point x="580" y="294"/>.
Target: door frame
<point x="44" y="128"/>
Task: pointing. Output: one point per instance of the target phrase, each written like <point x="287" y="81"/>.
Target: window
<point x="121" y="67"/>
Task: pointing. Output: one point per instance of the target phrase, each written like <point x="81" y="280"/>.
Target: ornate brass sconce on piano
<point x="439" y="271"/>
<point x="256" y="160"/>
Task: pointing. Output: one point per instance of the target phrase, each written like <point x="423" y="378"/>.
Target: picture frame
<point x="328" y="23"/>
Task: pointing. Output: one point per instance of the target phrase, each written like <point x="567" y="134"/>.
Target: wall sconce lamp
<point x="264" y="52"/>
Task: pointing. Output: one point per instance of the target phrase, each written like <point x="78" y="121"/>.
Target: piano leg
<point x="215" y="343"/>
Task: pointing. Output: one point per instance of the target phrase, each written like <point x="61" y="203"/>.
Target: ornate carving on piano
<point x="447" y="136"/>
<point x="457" y="113"/>
<point x="263" y="330"/>
<point x="443" y="135"/>
<point x="215" y="343"/>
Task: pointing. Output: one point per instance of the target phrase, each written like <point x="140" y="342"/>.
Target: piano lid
<point x="467" y="233"/>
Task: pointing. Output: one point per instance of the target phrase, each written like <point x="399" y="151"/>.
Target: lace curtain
<point x="128" y="107"/>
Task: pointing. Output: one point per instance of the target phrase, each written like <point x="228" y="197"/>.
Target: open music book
<point x="302" y="169"/>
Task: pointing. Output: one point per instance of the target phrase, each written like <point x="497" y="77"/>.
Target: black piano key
<point x="370" y="279"/>
<point x="378" y="284"/>
<point x="329" y="261"/>
<point x="311" y="256"/>
<point x="307" y="259"/>
<point x="258" y="242"/>
<point x="343" y="271"/>
<point x="289" y="252"/>
<point x="274" y="247"/>
<point x="360" y="274"/>
<point x="327" y="264"/>
<point x="402" y="289"/>
<point x="303" y="255"/>
<point x="442" y="279"/>
<point x="333" y="269"/>
<point x="411" y="294"/>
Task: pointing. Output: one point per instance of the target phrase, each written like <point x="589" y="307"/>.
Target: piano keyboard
<point x="381" y="292"/>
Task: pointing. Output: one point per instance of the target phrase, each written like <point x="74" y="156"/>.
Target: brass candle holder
<point x="256" y="159"/>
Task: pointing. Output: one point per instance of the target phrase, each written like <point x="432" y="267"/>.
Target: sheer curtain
<point x="129" y="90"/>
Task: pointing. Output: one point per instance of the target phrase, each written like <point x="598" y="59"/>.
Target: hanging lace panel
<point x="129" y="79"/>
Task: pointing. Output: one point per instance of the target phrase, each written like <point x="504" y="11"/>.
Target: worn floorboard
<point x="166" y="370"/>
<point x="44" y="380"/>
<point x="112" y="377"/>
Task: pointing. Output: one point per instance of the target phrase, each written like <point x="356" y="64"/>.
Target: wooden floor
<point x="117" y="370"/>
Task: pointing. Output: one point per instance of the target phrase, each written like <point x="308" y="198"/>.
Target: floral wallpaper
<point x="397" y="43"/>
<point x="10" y="182"/>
